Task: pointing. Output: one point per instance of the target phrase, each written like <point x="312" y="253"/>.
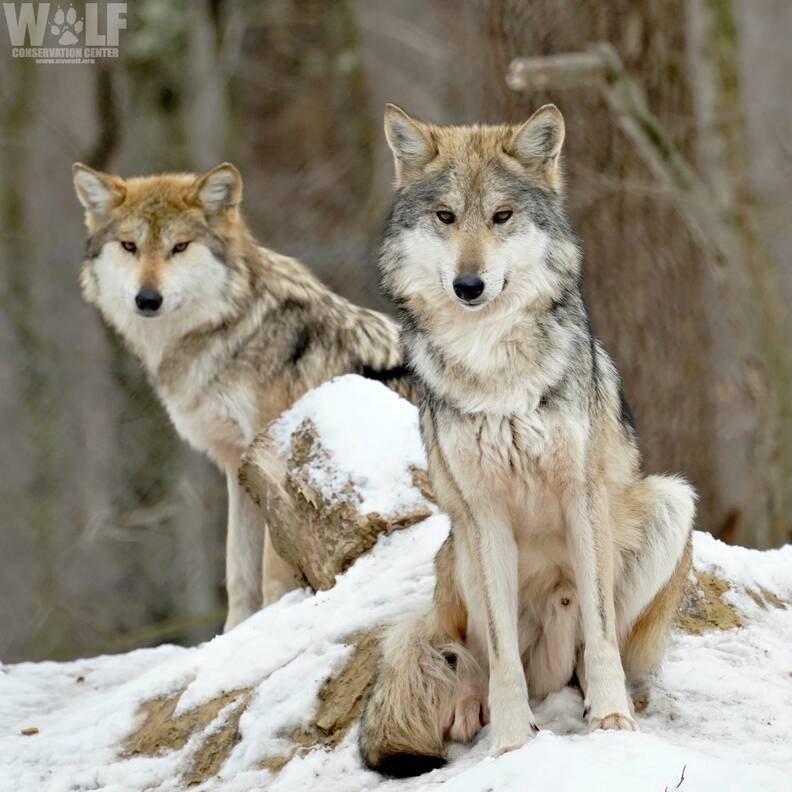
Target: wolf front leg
<point x="591" y="551"/>
<point x="244" y="552"/>
<point x="488" y="573"/>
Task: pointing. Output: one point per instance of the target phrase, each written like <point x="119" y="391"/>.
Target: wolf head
<point x="477" y="216"/>
<point x="163" y="250"/>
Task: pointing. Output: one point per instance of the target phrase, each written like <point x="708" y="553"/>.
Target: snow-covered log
<point x="344" y="465"/>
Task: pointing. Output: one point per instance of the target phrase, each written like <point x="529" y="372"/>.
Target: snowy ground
<point x="721" y="707"/>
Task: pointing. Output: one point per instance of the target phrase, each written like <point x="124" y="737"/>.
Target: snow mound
<point x="272" y="704"/>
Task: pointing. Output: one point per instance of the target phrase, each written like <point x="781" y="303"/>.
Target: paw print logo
<point x="65" y="26"/>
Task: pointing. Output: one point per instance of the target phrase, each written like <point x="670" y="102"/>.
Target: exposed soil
<point x="341" y="701"/>
<point x="160" y="731"/>
<point x="703" y="607"/>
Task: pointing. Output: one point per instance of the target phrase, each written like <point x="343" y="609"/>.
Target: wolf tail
<point x="398" y="378"/>
<point x="375" y="342"/>
<point x="411" y="701"/>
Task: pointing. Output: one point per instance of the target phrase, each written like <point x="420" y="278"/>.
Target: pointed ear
<point x="98" y="192"/>
<point x="218" y="189"/>
<point x="536" y="144"/>
<point x="410" y="141"/>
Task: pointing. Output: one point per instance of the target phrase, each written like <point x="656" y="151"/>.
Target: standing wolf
<point x="230" y="333"/>
<point x="563" y="557"/>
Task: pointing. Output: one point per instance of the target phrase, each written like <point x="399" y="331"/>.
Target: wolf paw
<point x="615" y="721"/>
<point x="469" y="715"/>
<point x="65" y="25"/>
<point x="503" y="746"/>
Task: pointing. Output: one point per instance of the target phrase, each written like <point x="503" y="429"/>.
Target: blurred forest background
<point x="111" y="528"/>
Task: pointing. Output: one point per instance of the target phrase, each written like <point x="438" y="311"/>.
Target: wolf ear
<point x="409" y="140"/>
<point x="218" y="189"/>
<point x="537" y="143"/>
<point x="98" y="192"/>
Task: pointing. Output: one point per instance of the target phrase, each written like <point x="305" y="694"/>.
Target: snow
<point x="372" y="437"/>
<point x="721" y="706"/>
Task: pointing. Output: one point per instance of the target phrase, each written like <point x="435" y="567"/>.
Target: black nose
<point x="148" y="301"/>
<point x="468" y="286"/>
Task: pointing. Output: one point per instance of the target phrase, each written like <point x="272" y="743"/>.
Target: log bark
<point x="319" y="533"/>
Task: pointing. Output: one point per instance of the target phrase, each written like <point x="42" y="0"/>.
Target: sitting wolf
<point x="563" y="557"/>
<point x="230" y="333"/>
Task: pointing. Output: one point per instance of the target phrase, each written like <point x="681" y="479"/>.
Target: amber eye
<point x="501" y="217"/>
<point x="180" y="247"/>
<point x="130" y="247"/>
<point x="444" y="216"/>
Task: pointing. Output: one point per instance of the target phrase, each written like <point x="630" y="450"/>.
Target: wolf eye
<point x="501" y="217"/>
<point x="180" y="247"/>
<point x="444" y="216"/>
<point x="130" y="247"/>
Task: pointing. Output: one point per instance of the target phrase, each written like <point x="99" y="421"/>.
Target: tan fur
<point x="241" y="334"/>
<point x="643" y="647"/>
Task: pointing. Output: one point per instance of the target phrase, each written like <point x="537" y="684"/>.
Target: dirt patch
<point x="772" y="599"/>
<point x="217" y="745"/>
<point x="342" y="695"/>
<point x="703" y="607"/>
<point x="162" y="731"/>
<point x="762" y="597"/>
<point x="341" y="701"/>
<point x="756" y="597"/>
<point x="420" y="480"/>
<point x="276" y="763"/>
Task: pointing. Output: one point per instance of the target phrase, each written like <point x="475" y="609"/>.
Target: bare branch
<point x="600" y="67"/>
<point x="570" y="70"/>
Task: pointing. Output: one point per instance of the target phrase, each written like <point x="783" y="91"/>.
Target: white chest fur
<point x="516" y="466"/>
<point x="215" y="421"/>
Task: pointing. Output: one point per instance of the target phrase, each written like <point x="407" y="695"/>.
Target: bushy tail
<point x="399" y="379"/>
<point x="644" y="646"/>
<point x="375" y="341"/>
<point x="411" y="702"/>
<point x="655" y="582"/>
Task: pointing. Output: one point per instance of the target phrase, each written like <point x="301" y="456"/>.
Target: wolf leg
<point x="488" y="572"/>
<point x="244" y="551"/>
<point x="278" y="576"/>
<point x="653" y="575"/>
<point x="591" y="552"/>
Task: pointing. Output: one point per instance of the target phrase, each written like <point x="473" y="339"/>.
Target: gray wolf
<point x="563" y="558"/>
<point x="230" y="333"/>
